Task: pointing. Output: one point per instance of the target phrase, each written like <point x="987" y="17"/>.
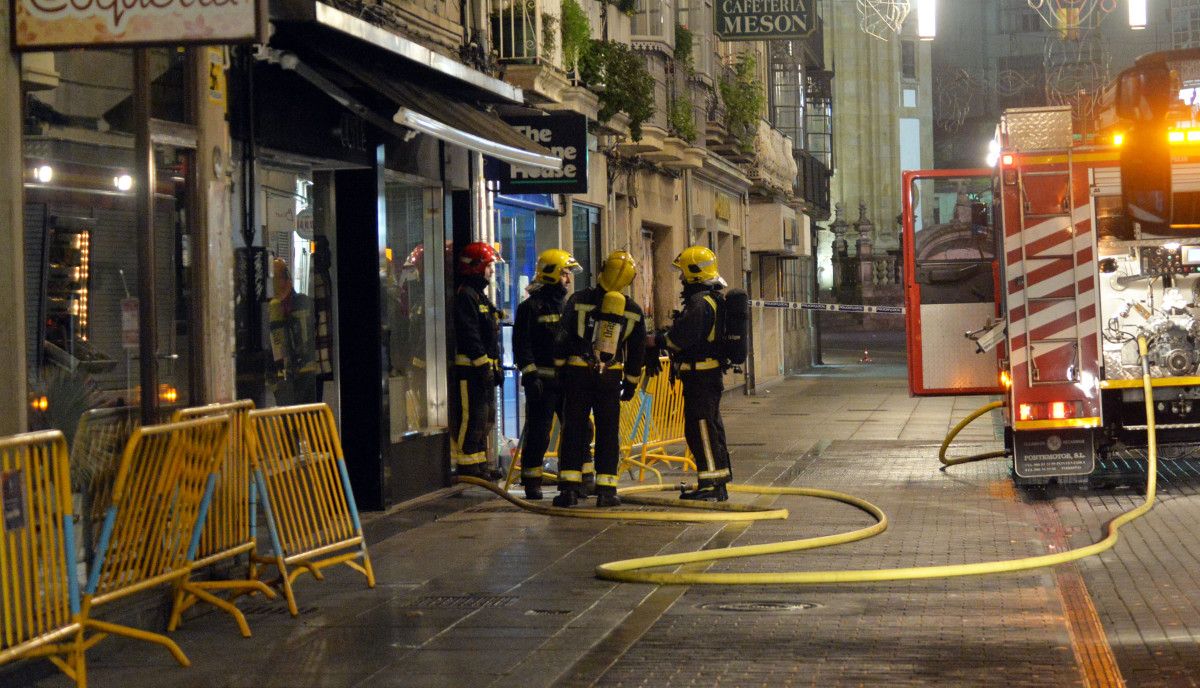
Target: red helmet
<point x="414" y="264"/>
<point x="475" y="258"/>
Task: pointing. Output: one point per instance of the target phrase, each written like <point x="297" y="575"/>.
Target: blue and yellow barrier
<point x="229" y="530"/>
<point x="100" y="437"/>
<point x="39" y="592"/>
<point x="305" y="489"/>
<point x="152" y="527"/>
<point x="650" y="424"/>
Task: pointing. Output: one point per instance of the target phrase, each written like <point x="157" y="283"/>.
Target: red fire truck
<point x="1032" y="279"/>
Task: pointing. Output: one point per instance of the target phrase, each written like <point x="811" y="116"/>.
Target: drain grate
<point x="759" y="607"/>
<point x="547" y="612"/>
<point x="464" y="601"/>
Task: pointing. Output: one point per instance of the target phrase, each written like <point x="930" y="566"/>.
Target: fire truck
<point x="1033" y="278"/>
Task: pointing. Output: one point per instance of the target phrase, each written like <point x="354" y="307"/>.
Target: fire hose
<point x="634" y="570"/>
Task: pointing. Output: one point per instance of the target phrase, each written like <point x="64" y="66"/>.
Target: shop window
<point x="83" y="279"/>
<point x="413" y="282"/>
<point x="516" y="231"/>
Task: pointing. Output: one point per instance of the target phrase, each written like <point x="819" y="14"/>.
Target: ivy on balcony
<point x="620" y="79"/>
<point x="684" y="39"/>
<point x="576" y="34"/>
<point x="681" y="118"/>
<point x="744" y="100"/>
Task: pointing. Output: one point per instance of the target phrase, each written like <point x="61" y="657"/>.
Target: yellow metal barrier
<point x="666" y="423"/>
<point x="164" y="485"/>
<point x="39" y="594"/>
<point x="301" y="475"/>
<point x="96" y="450"/>
<point x="229" y="530"/>
<point x="651" y="423"/>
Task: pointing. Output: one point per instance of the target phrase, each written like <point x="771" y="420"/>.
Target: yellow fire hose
<point x="631" y="570"/>
<point x="958" y="428"/>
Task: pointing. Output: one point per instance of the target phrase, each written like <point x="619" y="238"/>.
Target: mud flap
<point x="1051" y="453"/>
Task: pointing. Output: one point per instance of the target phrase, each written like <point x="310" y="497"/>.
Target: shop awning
<point x="441" y="116"/>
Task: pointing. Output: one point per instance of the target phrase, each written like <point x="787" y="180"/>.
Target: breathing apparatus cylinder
<point x="737" y="325"/>
<point x="607" y="336"/>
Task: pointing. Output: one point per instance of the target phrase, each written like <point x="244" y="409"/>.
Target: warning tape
<point x="837" y="307"/>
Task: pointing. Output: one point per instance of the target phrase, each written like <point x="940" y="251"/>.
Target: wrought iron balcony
<point x="812" y="184"/>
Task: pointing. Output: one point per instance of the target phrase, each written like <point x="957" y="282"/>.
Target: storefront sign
<point x="42" y="24"/>
<point x="758" y="20"/>
<point x="565" y="134"/>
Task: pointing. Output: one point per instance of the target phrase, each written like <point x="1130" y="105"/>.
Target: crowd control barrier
<point x="151" y="533"/>
<point x="665" y="421"/>
<point x="229" y="530"/>
<point x="39" y="593"/>
<point x="96" y="450"/>
<point x="306" y="496"/>
<point x="651" y="425"/>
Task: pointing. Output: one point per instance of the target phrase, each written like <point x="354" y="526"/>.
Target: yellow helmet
<point x="618" y="271"/>
<point x="698" y="265"/>
<point x="552" y="263"/>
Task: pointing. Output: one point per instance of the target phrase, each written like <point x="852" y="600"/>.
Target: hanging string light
<point x="882" y="18"/>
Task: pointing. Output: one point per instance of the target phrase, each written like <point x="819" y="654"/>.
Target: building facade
<point x="882" y="125"/>
<point x="295" y="204"/>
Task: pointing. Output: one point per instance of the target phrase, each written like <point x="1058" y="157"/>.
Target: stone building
<point x="338" y="165"/>
<point x="882" y="123"/>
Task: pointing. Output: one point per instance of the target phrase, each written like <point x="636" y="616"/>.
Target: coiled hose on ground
<point x="635" y="570"/>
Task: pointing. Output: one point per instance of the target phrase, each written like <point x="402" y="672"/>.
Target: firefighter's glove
<point x="653" y="366"/>
<point x="533" y="384"/>
<point x="628" y="389"/>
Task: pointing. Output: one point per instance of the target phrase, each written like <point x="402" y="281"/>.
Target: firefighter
<point x="695" y="344"/>
<point x="534" y="333"/>
<point x="293" y="340"/>
<point x="599" y="355"/>
<point x="476" y="361"/>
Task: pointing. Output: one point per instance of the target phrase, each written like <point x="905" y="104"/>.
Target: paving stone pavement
<point x="473" y="592"/>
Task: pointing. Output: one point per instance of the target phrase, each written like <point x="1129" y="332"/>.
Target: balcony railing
<point x="812" y="184"/>
<point x="523" y="31"/>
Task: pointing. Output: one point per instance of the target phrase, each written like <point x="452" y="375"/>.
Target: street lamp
<point x="927" y="19"/>
<point x="1137" y="14"/>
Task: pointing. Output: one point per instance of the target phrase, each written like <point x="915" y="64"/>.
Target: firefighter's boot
<point x="533" y="488"/>
<point x="481" y="471"/>
<point x="589" y="485"/>
<point x="707" y="493"/>
<point x="568" y="496"/>
<point x="607" y="497"/>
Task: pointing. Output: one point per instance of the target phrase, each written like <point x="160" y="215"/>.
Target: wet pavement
<point x="474" y="592"/>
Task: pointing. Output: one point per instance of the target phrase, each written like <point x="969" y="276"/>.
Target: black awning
<point x="410" y="108"/>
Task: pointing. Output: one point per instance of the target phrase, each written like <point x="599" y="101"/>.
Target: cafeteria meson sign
<point x="759" y="20"/>
<point x="46" y="24"/>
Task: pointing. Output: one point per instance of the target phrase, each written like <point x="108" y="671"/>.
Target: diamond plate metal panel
<point x="1034" y="129"/>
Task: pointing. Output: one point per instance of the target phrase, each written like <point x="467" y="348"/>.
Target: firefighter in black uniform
<point x="599" y="352"/>
<point x="476" y="362"/>
<point x="696" y="350"/>
<point x="534" y="333"/>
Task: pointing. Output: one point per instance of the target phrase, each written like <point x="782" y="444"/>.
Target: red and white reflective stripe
<point x="1052" y="278"/>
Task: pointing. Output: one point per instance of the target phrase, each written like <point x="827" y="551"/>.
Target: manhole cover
<point x="760" y="607"/>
